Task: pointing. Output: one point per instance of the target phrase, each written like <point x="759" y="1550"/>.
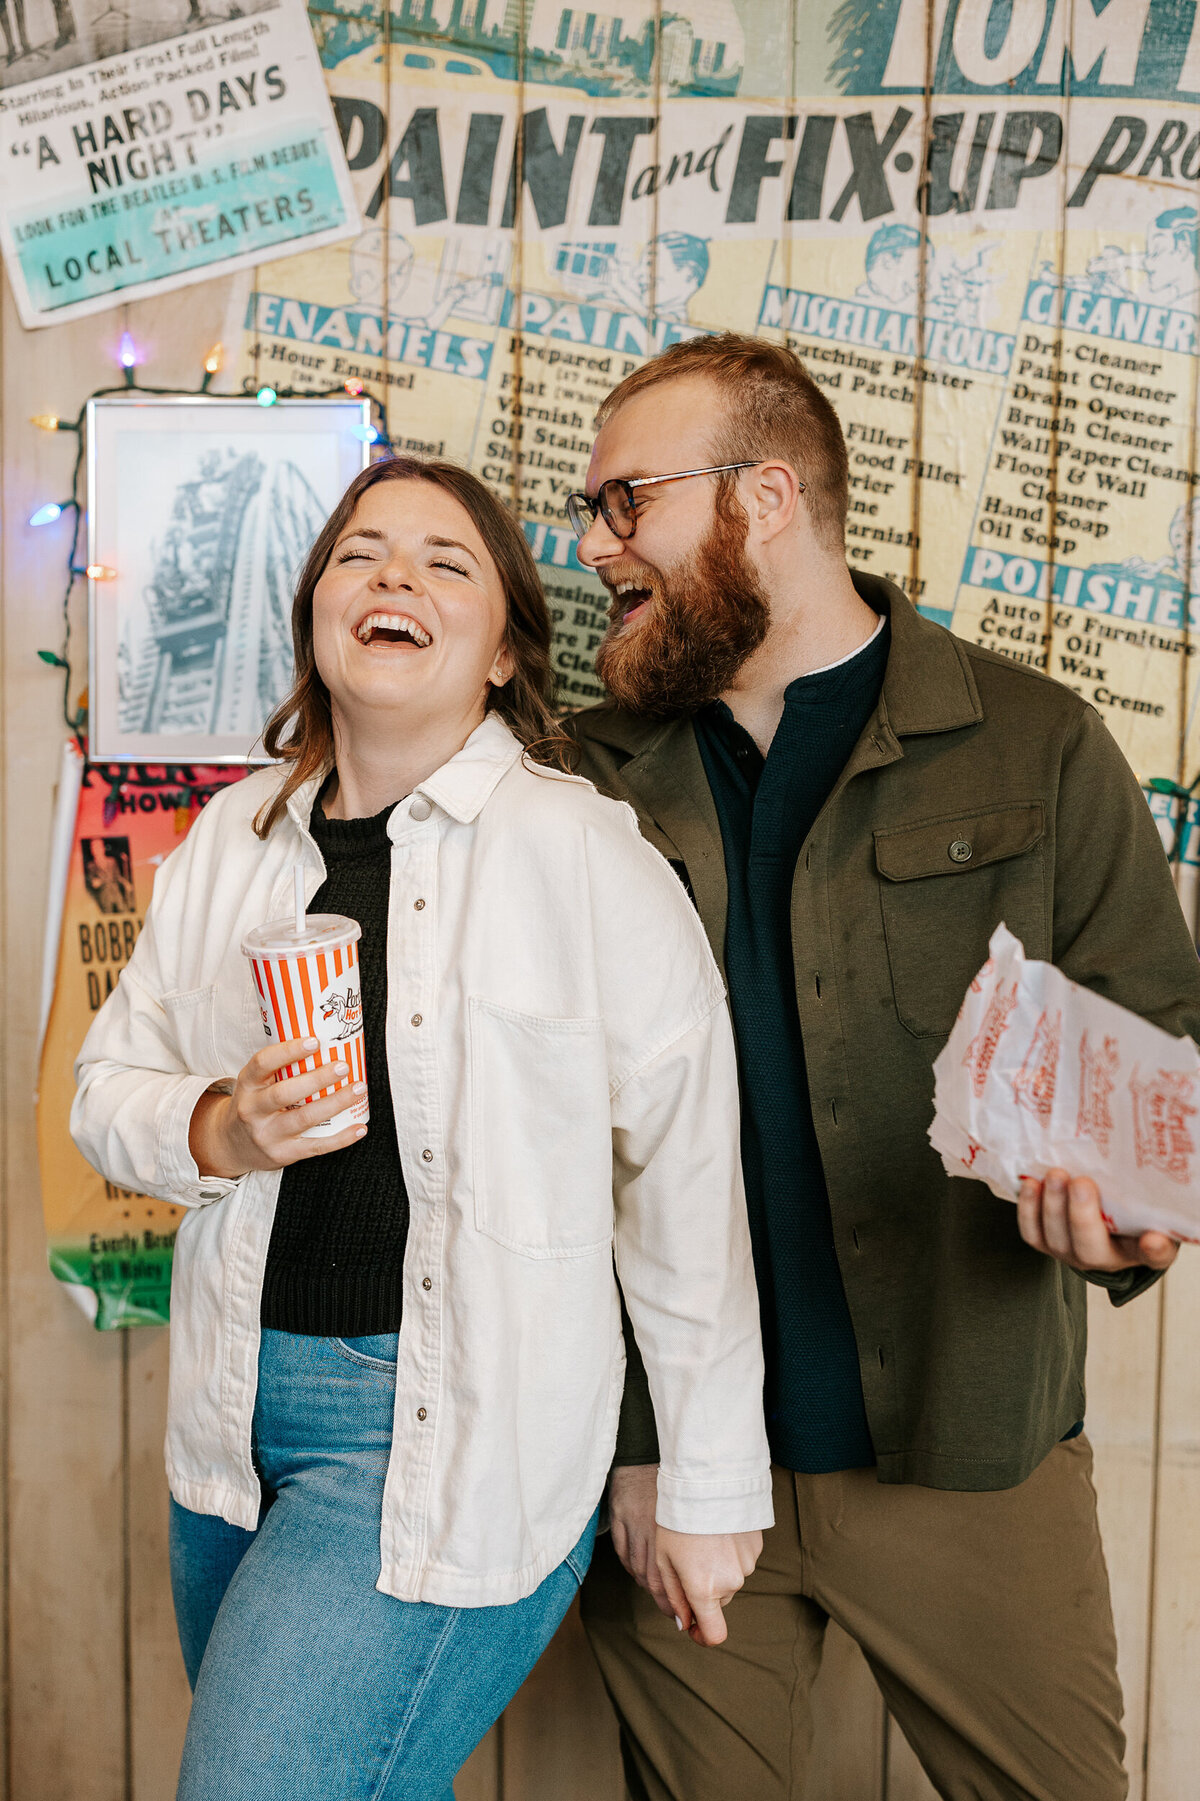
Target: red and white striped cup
<point x="309" y="987"/>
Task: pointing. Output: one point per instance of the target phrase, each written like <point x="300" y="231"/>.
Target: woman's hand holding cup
<point x="260" y="1125"/>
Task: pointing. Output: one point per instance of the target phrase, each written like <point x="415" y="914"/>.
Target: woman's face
<point x="410" y="616"/>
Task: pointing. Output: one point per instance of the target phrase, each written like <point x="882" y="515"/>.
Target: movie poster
<point x="116" y="824"/>
<point x="145" y="149"/>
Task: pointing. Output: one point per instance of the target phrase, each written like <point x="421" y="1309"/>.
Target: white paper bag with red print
<point x="1041" y="1074"/>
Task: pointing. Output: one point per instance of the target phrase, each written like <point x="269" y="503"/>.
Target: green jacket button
<point x="960" y="851"/>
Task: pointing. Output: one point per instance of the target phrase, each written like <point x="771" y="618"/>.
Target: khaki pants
<point x="985" y="1619"/>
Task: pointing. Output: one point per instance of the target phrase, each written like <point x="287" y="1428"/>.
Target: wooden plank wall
<point x="94" y="1698"/>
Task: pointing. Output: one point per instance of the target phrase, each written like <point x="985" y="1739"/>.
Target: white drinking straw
<point x="298" y="891"/>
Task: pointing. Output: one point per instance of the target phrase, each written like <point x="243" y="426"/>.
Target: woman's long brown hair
<point x="300" y="730"/>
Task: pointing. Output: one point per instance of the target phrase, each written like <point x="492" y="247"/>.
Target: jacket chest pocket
<point x="216" y="1032"/>
<point x="541" y="1132"/>
<point x="945" y="885"/>
<point x="192" y="1013"/>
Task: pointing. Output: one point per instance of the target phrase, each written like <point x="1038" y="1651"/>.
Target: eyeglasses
<point x="615" y="503"/>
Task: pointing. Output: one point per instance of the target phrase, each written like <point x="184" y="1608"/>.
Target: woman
<point x="396" y="1356"/>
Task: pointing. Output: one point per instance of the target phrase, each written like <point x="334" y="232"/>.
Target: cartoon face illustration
<point x="679" y="265"/>
<point x="1170" y="262"/>
<point x="370" y="254"/>
<point x="668" y="272"/>
<point x="415" y="290"/>
<point x="893" y="262"/>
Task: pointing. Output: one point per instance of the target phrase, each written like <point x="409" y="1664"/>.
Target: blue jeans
<point x="309" y="1684"/>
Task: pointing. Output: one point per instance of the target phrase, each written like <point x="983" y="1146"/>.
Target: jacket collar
<point x="460" y="787"/>
<point x="667" y="783"/>
<point x="300" y="804"/>
<point x="927" y="687"/>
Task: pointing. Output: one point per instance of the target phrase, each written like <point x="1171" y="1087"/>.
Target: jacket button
<point x="416" y="1019"/>
<point x="420" y="809"/>
<point x="418" y="906"/>
<point x="421" y="1413"/>
<point x="425" y="1282"/>
<point x="210" y="1194"/>
<point x="427" y="1156"/>
<point x="960" y="851"/>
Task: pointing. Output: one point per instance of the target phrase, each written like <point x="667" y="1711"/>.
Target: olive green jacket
<point x="971" y="1345"/>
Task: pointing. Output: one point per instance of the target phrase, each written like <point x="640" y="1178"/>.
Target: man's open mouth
<point x="392" y="628"/>
<point x="628" y="601"/>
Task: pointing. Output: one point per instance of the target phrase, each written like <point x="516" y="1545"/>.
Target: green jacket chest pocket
<point x="945" y="884"/>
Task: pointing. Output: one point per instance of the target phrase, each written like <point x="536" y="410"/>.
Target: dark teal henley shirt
<point x="816" y="1418"/>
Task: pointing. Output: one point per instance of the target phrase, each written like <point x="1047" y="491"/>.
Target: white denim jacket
<point x="570" y="1094"/>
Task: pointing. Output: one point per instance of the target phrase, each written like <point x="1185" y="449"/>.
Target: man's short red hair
<point x="773" y="409"/>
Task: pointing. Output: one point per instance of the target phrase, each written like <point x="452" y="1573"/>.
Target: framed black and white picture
<point x="200" y="514"/>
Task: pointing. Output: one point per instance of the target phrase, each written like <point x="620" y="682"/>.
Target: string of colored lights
<point x="129" y="359"/>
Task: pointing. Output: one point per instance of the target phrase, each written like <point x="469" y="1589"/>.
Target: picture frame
<point x="201" y="511"/>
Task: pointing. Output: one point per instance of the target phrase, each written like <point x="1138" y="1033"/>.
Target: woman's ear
<point x="502" y="669"/>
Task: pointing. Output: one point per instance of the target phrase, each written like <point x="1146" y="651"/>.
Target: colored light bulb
<point x="127" y="355"/>
<point x="354" y="386"/>
<point x="47" y="514"/>
<point x="45" y="421"/>
<point x="266" y="397"/>
<point x="367" y="433"/>
<point x="214" y="359"/>
<point x="99" y="572"/>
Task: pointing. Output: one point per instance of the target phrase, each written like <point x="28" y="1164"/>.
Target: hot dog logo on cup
<point x="343" y="1005"/>
<point x="308" y="986"/>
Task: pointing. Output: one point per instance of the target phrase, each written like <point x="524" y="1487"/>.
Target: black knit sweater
<point x="336" y="1260"/>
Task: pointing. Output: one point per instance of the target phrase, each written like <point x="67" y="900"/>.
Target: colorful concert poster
<point x="116" y="824"/>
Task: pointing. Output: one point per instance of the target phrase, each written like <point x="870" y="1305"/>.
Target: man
<point x="1170" y="261"/>
<point x="64" y="18"/>
<point x="856" y="798"/>
<point x="105" y="875"/>
<point x="16" y="44"/>
<point x="893" y="263"/>
<point x="662" y="278"/>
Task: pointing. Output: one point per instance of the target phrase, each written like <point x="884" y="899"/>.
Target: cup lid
<point x="279" y="937"/>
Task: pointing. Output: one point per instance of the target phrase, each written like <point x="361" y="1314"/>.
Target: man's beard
<point x="707" y="615"/>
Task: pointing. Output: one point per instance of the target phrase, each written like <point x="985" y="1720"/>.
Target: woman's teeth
<point x="395" y="629"/>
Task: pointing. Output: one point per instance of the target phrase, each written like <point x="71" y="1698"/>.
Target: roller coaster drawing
<point x="211" y="651"/>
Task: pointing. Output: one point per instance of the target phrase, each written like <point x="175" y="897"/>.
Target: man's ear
<point x="775" y="491"/>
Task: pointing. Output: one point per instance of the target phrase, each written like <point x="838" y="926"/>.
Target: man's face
<point x="895" y="274"/>
<point x="687" y="604"/>
<point x="674" y="283"/>
<point x="1166" y="261"/>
